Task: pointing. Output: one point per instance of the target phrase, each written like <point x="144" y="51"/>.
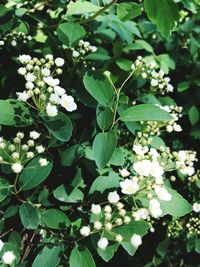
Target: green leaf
<point x="14" y="113"/>
<point x="145" y="112"/>
<point x="190" y="5"/>
<point x="108" y="253"/>
<point x="117" y="158"/>
<point x="81" y="257"/>
<point x="70" y="33"/>
<point x="124" y="64"/>
<point x="34" y="174"/>
<point x="81" y="7"/>
<point x="197" y="245"/>
<point x="128" y="11"/>
<point x="29" y="216"/>
<point x="70" y="154"/>
<point x="49" y="256"/>
<point x="193" y="115"/>
<point x="99" y="87"/>
<point x="162" y="13"/>
<point x="183" y="86"/>
<point x="104" y="117"/>
<point x="177" y="206"/>
<point x="102" y="183"/>
<point x="59" y="126"/>
<point x="68" y="195"/>
<point x="55" y="219"/>
<point x="4" y="189"/>
<point x="103" y="147"/>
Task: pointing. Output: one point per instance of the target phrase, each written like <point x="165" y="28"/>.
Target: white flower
<point x="155" y="169"/>
<point x="154" y="82"/>
<point x="49" y="57"/>
<point x="51" y="81"/>
<point x="17" y="167"/>
<point x="142" y="167"/>
<point x="13" y="43"/>
<point x="22" y="71"/>
<point x="45" y="72"/>
<point x="144" y="75"/>
<point x="68" y="103"/>
<point x="170" y="88"/>
<point x="59" y="62"/>
<point x="23" y="96"/>
<point x="169" y="128"/>
<point x="133" y="66"/>
<point x="2" y="43"/>
<point x="162" y="193"/>
<point x="119" y="238"/>
<point x="144" y="213"/>
<point x="113" y="197"/>
<point x="136" y="240"/>
<point x="189" y="170"/>
<point x="30" y="77"/>
<point x="129" y="186"/>
<point x="29" y="85"/>
<point x="177" y="127"/>
<point x="24" y="59"/>
<point x="102" y="243"/>
<point x="85" y="231"/>
<point x="96" y="209"/>
<point x="34" y="135"/>
<point x="29" y="155"/>
<point x="196" y="207"/>
<point x="124" y="173"/>
<point x="59" y="90"/>
<point x="1" y="244"/>
<point x="97" y="225"/>
<point x="139" y="150"/>
<point x="40" y="149"/>
<point x="154" y="208"/>
<point x="54" y="99"/>
<point x="51" y="110"/>
<point x="75" y="53"/>
<point x="8" y="257"/>
<point x="43" y="162"/>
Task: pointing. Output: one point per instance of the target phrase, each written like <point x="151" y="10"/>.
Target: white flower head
<point x="30" y="77"/>
<point x="59" y="90"/>
<point x="68" y="103"/>
<point x="43" y="162"/>
<point x="45" y="72"/>
<point x="196" y="207"/>
<point x="24" y="59"/>
<point x="129" y="186"/>
<point x="96" y="209"/>
<point x="102" y="243"/>
<point x="29" y="85"/>
<point x="34" y="135"/>
<point x="59" y="62"/>
<point x="154" y="82"/>
<point x="85" y="231"/>
<point x="97" y="225"/>
<point x="124" y="173"/>
<point x="16" y="167"/>
<point x="113" y="197"/>
<point x="22" y="96"/>
<point x="40" y="149"/>
<point x="136" y="240"/>
<point x="8" y="257"/>
<point x="154" y="208"/>
<point x="51" y="110"/>
<point x="22" y="71"/>
<point x="162" y="193"/>
<point x="55" y="99"/>
<point x="51" y="81"/>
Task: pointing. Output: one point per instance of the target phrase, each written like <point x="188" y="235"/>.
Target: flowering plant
<point x="90" y="157"/>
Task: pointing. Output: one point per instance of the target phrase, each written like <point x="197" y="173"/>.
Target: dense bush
<point x="103" y="172"/>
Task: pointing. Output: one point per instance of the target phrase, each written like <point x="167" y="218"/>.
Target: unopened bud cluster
<point x="18" y="151"/>
<point x="15" y="39"/>
<point x="148" y="71"/>
<point x="43" y="89"/>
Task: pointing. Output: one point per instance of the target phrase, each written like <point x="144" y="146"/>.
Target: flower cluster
<point x="81" y="51"/>
<point x="185" y="160"/>
<point x="18" y="152"/>
<point x="43" y="90"/>
<point x="106" y="219"/>
<point x="147" y="70"/>
<point x="15" y="39"/>
<point x="156" y="127"/>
